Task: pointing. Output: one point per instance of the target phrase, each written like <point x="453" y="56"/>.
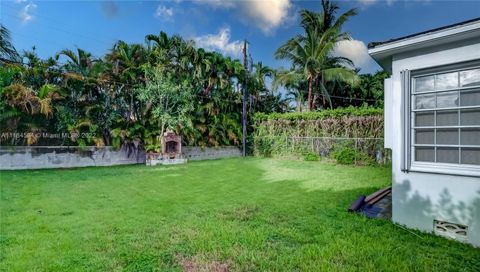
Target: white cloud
<point x="220" y="42"/>
<point x="164" y="13"/>
<point x="25" y="13"/>
<point x="354" y="50"/>
<point x="268" y="14"/>
<point x="264" y="14"/>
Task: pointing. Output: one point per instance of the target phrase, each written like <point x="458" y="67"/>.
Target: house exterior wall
<point x="420" y="198"/>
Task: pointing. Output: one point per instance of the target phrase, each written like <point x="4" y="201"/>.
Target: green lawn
<point x="224" y="215"/>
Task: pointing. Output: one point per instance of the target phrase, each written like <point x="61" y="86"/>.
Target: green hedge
<point x="319" y="115"/>
<point x="325" y="133"/>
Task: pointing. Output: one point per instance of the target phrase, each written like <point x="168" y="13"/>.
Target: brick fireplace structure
<point x="171" y="146"/>
<point x="171" y="152"/>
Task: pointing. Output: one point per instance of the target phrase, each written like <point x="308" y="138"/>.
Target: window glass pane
<point x="471" y="156"/>
<point x="426" y="154"/>
<point x="447" y="118"/>
<point x="447" y="136"/>
<point x="423" y="119"/>
<point x="447" y="155"/>
<point x="470" y="98"/>
<point x="424" y="84"/>
<point x="426" y="101"/>
<point x="470" y="78"/>
<point x="470" y="117"/>
<point x="424" y="136"/>
<point x="470" y="136"/>
<point x="446" y="81"/>
<point x="448" y="99"/>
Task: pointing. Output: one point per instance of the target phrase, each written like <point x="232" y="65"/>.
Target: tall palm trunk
<point x="324" y="96"/>
<point x="310" y="93"/>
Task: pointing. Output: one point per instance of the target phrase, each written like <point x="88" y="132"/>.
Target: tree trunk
<point x="162" y="129"/>
<point x="131" y="104"/>
<point x="309" y="94"/>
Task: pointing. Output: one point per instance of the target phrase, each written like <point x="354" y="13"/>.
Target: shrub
<point x="319" y="115"/>
<point x="295" y="133"/>
<point x="310" y="156"/>
<point x="263" y="147"/>
<point x="345" y="154"/>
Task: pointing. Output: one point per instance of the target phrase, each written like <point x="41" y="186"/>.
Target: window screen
<point x="446" y="117"/>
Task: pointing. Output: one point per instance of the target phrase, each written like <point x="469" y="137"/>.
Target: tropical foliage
<point x="327" y="133"/>
<point x="318" y="115"/>
<point x="312" y="58"/>
<point x="369" y="91"/>
<point x="128" y="96"/>
<point x="7" y="50"/>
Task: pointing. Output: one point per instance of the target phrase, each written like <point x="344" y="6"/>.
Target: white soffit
<point x="383" y="52"/>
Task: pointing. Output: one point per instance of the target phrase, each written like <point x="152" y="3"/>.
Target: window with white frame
<point x="445" y="114"/>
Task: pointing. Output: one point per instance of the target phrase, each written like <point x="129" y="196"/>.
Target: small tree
<point x="169" y="100"/>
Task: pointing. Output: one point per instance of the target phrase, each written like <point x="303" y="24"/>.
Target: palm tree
<point x="260" y="74"/>
<point x="311" y="53"/>
<point x="7" y="50"/>
<point x="126" y="60"/>
<point x="257" y="85"/>
<point x="161" y="41"/>
<point x="126" y="67"/>
<point x="214" y="73"/>
<point x="25" y="99"/>
<point x="82" y="82"/>
<point x="294" y="84"/>
<point x="80" y="62"/>
<point x="38" y="72"/>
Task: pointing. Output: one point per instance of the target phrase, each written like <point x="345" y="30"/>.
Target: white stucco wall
<point x="419" y="198"/>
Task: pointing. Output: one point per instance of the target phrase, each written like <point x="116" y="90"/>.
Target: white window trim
<point x="408" y="162"/>
<point x="445" y="168"/>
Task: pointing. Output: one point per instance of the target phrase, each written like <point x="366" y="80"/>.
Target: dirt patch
<point x="198" y="264"/>
<point x="242" y="213"/>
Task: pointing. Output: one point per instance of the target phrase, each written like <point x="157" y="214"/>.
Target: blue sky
<point x="218" y="25"/>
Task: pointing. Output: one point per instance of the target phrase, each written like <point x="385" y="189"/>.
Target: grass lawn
<point x="224" y="215"/>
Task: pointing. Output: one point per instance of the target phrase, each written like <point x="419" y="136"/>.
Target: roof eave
<point x="383" y="53"/>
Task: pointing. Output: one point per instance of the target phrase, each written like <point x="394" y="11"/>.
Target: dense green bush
<point x="129" y="96"/>
<point x="319" y="115"/>
<point x="311" y="156"/>
<point x="357" y="130"/>
<point x="264" y="147"/>
<point x="344" y="155"/>
<point x="347" y="154"/>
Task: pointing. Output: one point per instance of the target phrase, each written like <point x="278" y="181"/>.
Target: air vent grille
<point x="450" y="230"/>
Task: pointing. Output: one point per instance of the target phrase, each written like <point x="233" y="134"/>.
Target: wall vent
<point x="450" y="230"/>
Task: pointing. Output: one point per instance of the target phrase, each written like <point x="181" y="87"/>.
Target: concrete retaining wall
<point x="26" y="157"/>
<point x="197" y="153"/>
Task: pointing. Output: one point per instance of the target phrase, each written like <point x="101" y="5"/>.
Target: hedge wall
<point x="320" y="115"/>
<point x="322" y="133"/>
